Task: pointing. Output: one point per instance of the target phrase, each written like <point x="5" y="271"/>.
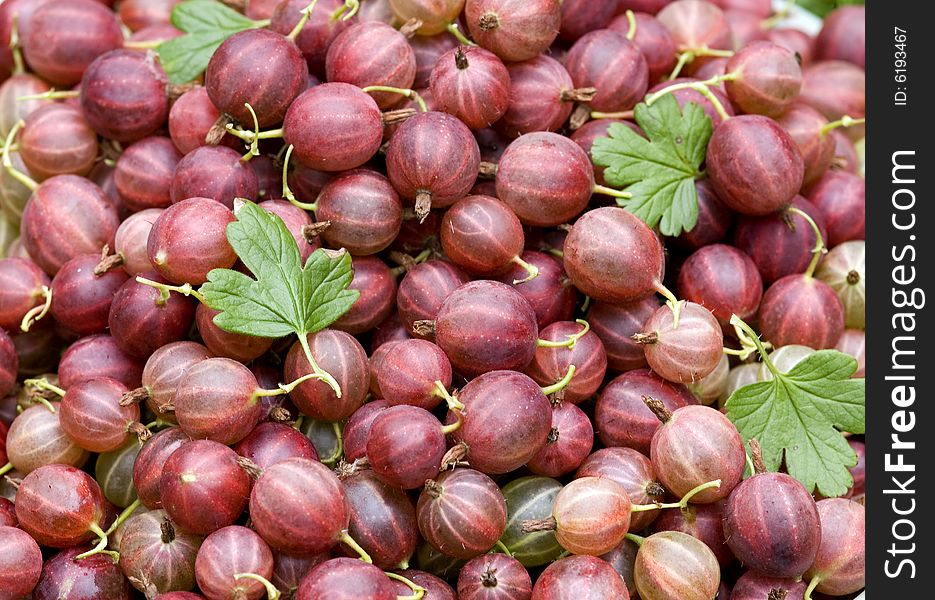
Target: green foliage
<point x="823" y="7"/>
<point x="658" y="170"/>
<point x="207" y="23"/>
<point x="285" y="297"/>
<point x="798" y="418"/>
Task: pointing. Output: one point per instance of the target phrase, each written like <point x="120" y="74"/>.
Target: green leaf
<point x="660" y="169"/>
<point x="823" y="7"/>
<point x="284" y="297"/>
<point x="327" y="277"/>
<point x="208" y="15"/>
<point x="207" y="24"/>
<point x="799" y="416"/>
<point x="245" y="306"/>
<point x="186" y="57"/>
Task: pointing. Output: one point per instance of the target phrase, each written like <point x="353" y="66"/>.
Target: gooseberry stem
<point x="318" y="372"/>
<point x="37" y="312"/>
<point x="681" y="504"/>
<point x="43" y="384"/>
<point x="44" y="403"/>
<point x="689" y="85"/>
<point x="411" y="94"/>
<point x="286" y="190"/>
<point x="811" y="587"/>
<point x="636" y="539"/>
<point x="747" y="347"/>
<point x="252" y="137"/>
<point x="422" y="256"/>
<point x="845" y="121"/>
<point x="284" y="388"/>
<point x="532" y="270"/>
<point x="124" y="515"/>
<point x="347" y="11"/>
<point x="750" y="464"/>
<point x="6" y="468"/>
<point x="745" y="339"/>
<point x="688" y="56"/>
<point x="455" y="30"/>
<point x="715" y="101"/>
<point x="52" y="94"/>
<point x="407" y="262"/>
<point x="346" y="538"/>
<point x="339" y="447"/>
<point x="561" y="383"/>
<point x="631" y="21"/>
<point x="712" y="52"/>
<point x="587" y="299"/>
<point x="271" y="590"/>
<point x="672" y="302"/>
<point x="101" y="546"/>
<point x="627" y="114"/>
<point x="19" y="67"/>
<point x="751" y="335"/>
<point x="417" y="590"/>
<point x="306" y="15"/>
<point x="15" y="173"/>
<point x="453" y="427"/>
<point x="255" y="144"/>
<point x="146" y="45"/>
<point x="684" y="59"/>
<point x="702" y="87"/>
<point x="570" y="339"/>
<point x="452" y="401"/>
<point x="608" y="191"/>
<point x="166" y="289"/>
<point x="819" y="248"/>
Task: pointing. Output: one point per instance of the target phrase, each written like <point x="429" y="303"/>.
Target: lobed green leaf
<point x="186" y="57"/>
<point x="327" y="276"/>
<point x="798" y="417"/>
<point x="659" y="170"/>
<point x="208" y="15"/>
<point x="283" y="297"/>
<point x="246" y="307"/>
<point x="207" y="24"/>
